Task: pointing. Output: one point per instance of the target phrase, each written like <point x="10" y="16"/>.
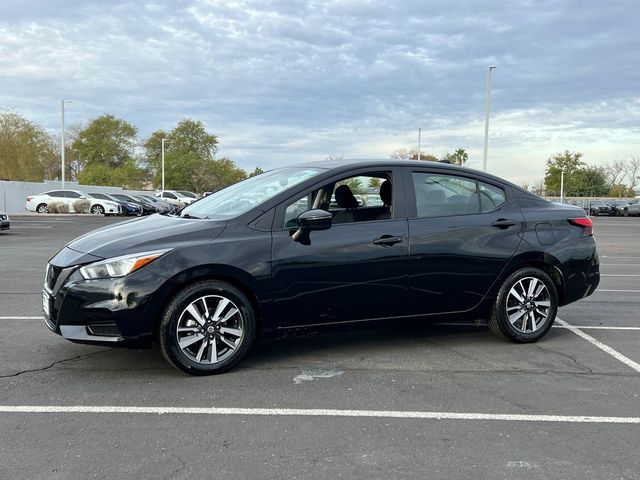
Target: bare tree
<point x="404" y="153"/>
<point x="334" y="157"/>
<point x="614" y="173"/>
<point x="631" y="167"/>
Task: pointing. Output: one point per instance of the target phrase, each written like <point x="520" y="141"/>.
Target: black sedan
<point x="147" y="208"/>
<point x="600" y="207"/>
<point x="271" y="255"/>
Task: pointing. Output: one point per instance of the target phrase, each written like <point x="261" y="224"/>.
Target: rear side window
<point x="72" y="195"/>
<point x="444" y="195"/>
<point x="169" y="195"/>
<point x="491" y="196"/>
<point x="56" y="194"/>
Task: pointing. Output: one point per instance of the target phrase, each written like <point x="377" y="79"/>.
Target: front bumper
<point x="109" y="312"/>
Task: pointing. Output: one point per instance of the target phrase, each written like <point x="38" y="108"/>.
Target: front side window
<point x="70" y="194"/>
<point x="444" y="195"/>
<point x="361" y="198"/>
<point x="169" y="195"/>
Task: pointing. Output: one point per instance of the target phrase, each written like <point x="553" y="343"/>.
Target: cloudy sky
<point x="284" y="81"/>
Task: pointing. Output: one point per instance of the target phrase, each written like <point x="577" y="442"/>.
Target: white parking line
<point x="303" y="412"/>
<point x="22" y="318"/>
<point x="605" y="348"/>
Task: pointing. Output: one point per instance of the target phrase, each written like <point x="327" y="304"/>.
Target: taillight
<point x="29" y="197"/>
<point x="585" y="223"/>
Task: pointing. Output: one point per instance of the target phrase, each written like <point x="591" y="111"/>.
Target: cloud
<point x="284" y="81"/>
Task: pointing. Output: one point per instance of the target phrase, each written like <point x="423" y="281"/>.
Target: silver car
<point x="632" y="209"/>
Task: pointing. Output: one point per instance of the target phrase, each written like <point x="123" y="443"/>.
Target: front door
<point x="355" y="270"/>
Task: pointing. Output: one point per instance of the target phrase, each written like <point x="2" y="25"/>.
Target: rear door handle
<point x="504" y="223"/>
<point x="387" y="240"/>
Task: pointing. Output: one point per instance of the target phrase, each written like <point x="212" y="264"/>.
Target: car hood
<point x="150" y="233"/>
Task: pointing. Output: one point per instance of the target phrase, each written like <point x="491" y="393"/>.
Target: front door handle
<point x="388" y="240"/>
<point x="504" y="223"/>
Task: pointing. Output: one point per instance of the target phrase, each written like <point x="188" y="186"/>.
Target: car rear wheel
<point x="42" y="208"/>
<point x="207" y="328"/>
<point x="525" y="307"/>
<point x="626" y="212"/>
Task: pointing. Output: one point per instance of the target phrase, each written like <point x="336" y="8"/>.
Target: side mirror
<point x="315" y="220"/>
<point x="311" y="220"/>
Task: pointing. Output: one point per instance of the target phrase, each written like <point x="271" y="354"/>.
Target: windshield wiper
<point x="186" y="215"/>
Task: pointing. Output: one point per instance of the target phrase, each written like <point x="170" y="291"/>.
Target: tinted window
<point x="444" y="195"/>
<point x="491" y="196"/>
<point x="72" y="194"/>
<point x="169" y="195"/>
<point x="56" y="193"/>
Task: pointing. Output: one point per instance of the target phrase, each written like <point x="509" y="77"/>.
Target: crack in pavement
<point x="43" y="369"/>
<point x="566" y="355"/>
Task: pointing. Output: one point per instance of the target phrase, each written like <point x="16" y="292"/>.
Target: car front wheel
<point x="525" y="307"/>
<point x="97" y="210"/>
<point x="207" y="328"/>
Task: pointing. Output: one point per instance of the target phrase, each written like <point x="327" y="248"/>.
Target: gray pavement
<point x="416" y="368"/>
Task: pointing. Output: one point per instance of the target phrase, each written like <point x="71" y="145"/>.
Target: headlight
<point x="119" y="266"/>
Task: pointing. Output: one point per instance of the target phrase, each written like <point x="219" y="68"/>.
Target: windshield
<point x="243" y="196"/>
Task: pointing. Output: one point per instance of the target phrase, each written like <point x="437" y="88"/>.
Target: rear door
<point x="462" y="234"/>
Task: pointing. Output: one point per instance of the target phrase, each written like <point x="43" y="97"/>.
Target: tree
<point x="579" y="179"/>
<point x="374" y="182"/>
<point x="189" y="158"/>
<point x="256" y="171"/>
<point x="106" y="141"/>
<point x="459" y="157"/>
<point x="404" y="153"/>
<point x="27" y="152"/>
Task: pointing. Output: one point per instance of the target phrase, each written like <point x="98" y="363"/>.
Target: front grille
<point x="53" y="273"/>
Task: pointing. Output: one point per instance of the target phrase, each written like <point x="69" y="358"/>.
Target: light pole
<point x="419" y="138"/>
<point x="163" y="163"/>
<point x="561" y="185"/>
<point x="486" y="118"/>
<point x="62" y="102"/>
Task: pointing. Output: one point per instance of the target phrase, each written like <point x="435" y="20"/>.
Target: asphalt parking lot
<point x="431" y="401"/>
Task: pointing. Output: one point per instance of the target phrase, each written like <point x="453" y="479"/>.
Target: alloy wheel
<point x="210" y="329"/>
<point x="528" y="305"/>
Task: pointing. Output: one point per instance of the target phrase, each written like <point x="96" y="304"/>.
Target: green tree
<point x="189" y="158"/>
<point x="256" y="171"/>
<point x="459" y="157"/>
<point x="27" y="152"/>
<point x="107" y="141"/>
<point x="579" y="179"/>
<point x="374" y="182"/>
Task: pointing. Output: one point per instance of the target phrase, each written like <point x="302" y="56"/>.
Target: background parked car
<point x="128" y="208"/>
<point x="617" y="207"/>
<point x="147" y="208"/>
<point x="68" y="198"/>
<point x="600" y="207"/>
<point x="188" y="194"/>
<point x="632" y="209"/>
<point x="5" y="221"/>
<point x="175" y="198"/>
<point x="161" y="206"/>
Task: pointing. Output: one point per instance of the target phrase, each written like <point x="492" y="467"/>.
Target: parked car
<point x="599" y="207"/>
<point x="5" y="221"/>
<point x="186" y="193"/>
<point x="632" y="209"/>
<point x="147" y="208"/>
<point x="160" y="205"/>
<point x="39" y="203"/>
<point x="175" y="198"/>
<point x="447" y="242"/>
<point x="128" y="208"/>
<point x="617" y="207"/>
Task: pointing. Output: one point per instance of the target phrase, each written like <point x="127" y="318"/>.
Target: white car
<point x="39" y="203"/>
<point x="175" y="198"/>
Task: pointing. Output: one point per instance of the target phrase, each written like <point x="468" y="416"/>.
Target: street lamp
<point x="62" y="102"/>
<point x="419" y="138"/>
<point x="486" y="118"/>
<point x="163" y="163"/>
<point x="561" y="185"/>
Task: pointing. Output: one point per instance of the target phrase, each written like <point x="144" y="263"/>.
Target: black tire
<point x="42" y="208"/>
<point x="626" y="212"/>
<point x="499" y="322"/>
<point x="97" y="209"/>
<point x="176" y="312"/>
